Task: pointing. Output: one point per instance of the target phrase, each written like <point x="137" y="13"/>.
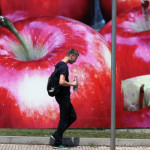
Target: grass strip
<point x="82" y="133"/>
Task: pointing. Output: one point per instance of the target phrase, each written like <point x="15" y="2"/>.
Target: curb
<point x="73" y="141"/>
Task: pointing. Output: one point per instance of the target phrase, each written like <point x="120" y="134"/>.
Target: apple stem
<point x="141" y="96"/>
<point x="5" y="22"/>
<point x="145" y="4"/>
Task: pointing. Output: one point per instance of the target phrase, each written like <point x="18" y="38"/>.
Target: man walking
<point x="67" y="112"/>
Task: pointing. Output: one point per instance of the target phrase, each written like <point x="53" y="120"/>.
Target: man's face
<point x="73" y="59"/>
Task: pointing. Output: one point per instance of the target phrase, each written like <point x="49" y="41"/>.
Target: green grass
<point x="86" y="133"/>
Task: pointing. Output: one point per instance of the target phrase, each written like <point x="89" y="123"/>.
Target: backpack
<point x="53" y="86"/>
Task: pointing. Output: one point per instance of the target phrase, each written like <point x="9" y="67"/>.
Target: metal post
<point x="113" y="77"/>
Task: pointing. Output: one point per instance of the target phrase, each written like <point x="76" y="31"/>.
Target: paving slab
<point x="47" y="147"/>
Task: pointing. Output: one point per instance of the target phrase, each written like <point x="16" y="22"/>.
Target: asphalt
<point x="45" y="143"/>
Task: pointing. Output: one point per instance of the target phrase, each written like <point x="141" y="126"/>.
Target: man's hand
<point x="75" y="83"/>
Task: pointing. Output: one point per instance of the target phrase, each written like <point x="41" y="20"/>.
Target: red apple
<point x="122" y="5"/>
<point x="133" y="56"/>
<point x="9" y="110"/>
<point x="76" y="9"/>
<point x="48" y="39"/>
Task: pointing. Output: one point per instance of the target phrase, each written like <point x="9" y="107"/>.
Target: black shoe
<point x="52" y="140"/>
<point x="53" y="137"/>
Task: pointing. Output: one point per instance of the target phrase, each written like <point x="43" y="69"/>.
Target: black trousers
<point x="67" y="117"/>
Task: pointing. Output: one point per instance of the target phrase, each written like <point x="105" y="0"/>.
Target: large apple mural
<point x="24" y="72"/>
<point x="76" y="9"/>
<point x="133" y="56"/>
<point x="122" y="5"/>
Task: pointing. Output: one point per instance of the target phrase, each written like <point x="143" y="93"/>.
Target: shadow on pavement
<point x="67" y="141"/>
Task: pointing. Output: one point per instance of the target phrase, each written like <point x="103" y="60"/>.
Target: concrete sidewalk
<point x="74" y="141"/>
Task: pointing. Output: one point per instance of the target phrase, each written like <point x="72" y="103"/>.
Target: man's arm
<point x="63" y="82"/>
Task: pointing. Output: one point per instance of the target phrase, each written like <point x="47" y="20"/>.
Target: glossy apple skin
<point x="75" y="9"/>
<point x="132" y="46"/>
<point x="26" y="80"/>
<point x="133" y="58"/>
<point x="9" y="109"/>
<point x="122" y="5"/>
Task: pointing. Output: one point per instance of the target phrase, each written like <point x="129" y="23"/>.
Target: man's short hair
<point x="72" y="51"/>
